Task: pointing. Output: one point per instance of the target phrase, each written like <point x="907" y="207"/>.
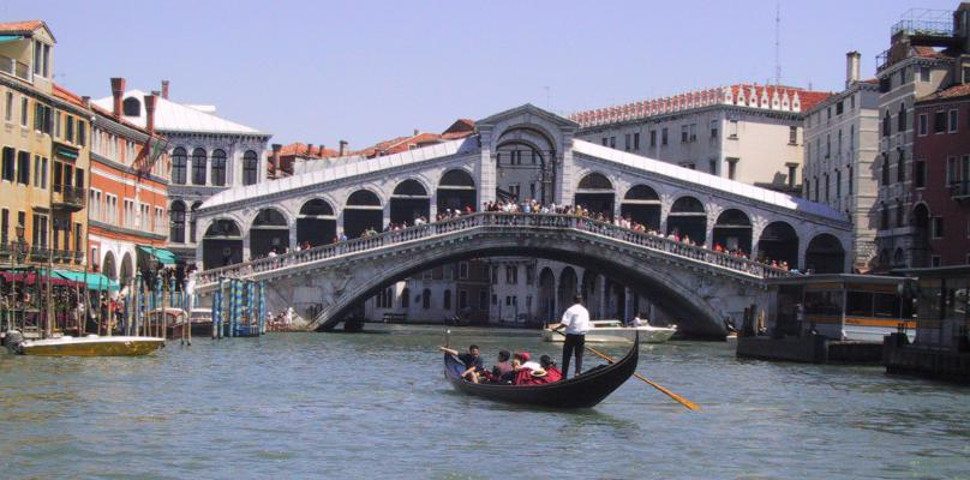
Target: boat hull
<point x="583" y="391"/>
<point x="91" y="347"/>
<point x="619" y="335"/>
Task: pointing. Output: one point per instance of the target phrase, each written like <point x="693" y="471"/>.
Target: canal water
<point x="376" y="405"/>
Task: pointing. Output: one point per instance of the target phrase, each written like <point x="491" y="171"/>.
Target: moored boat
<point x="88" y="346"/>
<point x="613" y="331"/>
<point x="583" y="391"/>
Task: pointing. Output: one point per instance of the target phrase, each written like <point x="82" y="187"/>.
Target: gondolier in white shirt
<point x="576" y="322"/>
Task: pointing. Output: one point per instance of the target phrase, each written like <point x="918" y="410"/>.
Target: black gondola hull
<point x="584" y="391"/>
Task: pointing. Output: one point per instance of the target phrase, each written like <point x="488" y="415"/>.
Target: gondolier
<point x="576" y="322"/>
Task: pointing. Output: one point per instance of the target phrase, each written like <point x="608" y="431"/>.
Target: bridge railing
<point x="491" y="219"/>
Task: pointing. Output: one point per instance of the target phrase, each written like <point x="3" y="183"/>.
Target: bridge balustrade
<point x="492" y="219"/>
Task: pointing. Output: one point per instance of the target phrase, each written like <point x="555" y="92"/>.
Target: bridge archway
<point x="595" y="194"/>
<point x="641" y="204"/>
<point x="568" y="288"/>
<point x="547" y="296"/>
<point x="316" y="223"/>
<point x="363" y="212"/>
<point x="733" y="231"/>
<point x="694" y="300"/>
<point x="779" y="241"/>
<point x="269" y="232"/>
<point x="825" y="254"/>
<point x="409" y="201"/>
<point x="688" y="217"/>
<point x="522" y="163"/>
<point x="222" y="244"/>
<point x="456" y="191"/>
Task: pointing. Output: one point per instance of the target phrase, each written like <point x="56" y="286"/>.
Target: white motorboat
<point x="613" y="331"/>
<point x="88" y="346"/>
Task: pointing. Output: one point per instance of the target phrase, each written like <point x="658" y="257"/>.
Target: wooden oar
<point x="683" y="401"/>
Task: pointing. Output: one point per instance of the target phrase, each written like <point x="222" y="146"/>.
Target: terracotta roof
<point x="68" y="96"/>
<point x="300" y="149"/>
<point x="22" y="27"/>
<point x="956" y="91"/>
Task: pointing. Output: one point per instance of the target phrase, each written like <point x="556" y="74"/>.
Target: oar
<point x="683" y="401"/>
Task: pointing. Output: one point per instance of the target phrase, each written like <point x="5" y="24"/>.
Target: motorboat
<point x="582" y="391"/>
<point x="614" y="331"/>
<point x="87" y="346"/>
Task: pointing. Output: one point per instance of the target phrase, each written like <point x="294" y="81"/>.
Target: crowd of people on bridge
<point x="533" y="206"/>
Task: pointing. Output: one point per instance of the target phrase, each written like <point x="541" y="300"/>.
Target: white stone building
<point x="208" y="153"/>
<point x="749" y="133"/>
<point x="841" y="148"/>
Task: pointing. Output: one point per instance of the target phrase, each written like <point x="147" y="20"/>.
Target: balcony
<point x="960" y="190"/>
<point x="67" y="197"/>
<point x="39" y="254"/>
<point x="12" y="67"/>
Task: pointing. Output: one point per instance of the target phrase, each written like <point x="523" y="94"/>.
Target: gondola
<point x="584" y="391"/>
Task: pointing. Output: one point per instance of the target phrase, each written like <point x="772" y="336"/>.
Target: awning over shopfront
<point x="163" y="256"/>
<point x="95" y="281"/>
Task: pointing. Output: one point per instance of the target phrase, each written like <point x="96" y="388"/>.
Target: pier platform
<point x="902" y="357"/>
<point x="809" y="349"/>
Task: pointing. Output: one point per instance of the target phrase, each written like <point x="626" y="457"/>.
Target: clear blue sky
<point x="363" y="71"/>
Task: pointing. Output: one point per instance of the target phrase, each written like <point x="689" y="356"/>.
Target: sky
<point x="363" y="71"/>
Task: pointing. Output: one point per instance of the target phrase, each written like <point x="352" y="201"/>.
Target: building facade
<point x="208" y="154"/>
<point x="925" y="56"/>
<point x="45" y="154"/>
<point x="749" y="133"/>
<point x="841" y="147"/>
<point x="128" y="198"/>
<point x="941" y="183"/>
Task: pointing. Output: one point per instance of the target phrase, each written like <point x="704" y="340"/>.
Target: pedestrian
<point x="576" y="322"/>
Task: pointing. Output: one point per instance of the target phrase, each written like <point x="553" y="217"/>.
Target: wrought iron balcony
<point x="39" y="254"/>
<point x="69" y="197"/>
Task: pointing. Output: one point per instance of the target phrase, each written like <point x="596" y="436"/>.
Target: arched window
<point x="406" y="298"/>
<point x="901" y="120"/>
<point x="219" y="168"/>
<point x="900" y="166"/>
<point x="426" y="299"/>
<point x="198" y="166"/>
<point x="177" y="212"/>
<point x="250" y="168"/>
<point x="179" y="167"/>
<point x="885" y="168"/>
<point x="131" y="107"/>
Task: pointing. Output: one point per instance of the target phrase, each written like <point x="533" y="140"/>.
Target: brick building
<point x="941" y="179"/>
<point x="129" y="192"/>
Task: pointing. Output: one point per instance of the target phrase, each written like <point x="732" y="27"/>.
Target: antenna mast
<point x="778" y="43"/>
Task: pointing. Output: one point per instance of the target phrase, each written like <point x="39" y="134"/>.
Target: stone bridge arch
<point x="695" y="296"/>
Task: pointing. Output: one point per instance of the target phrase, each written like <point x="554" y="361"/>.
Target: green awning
<point x="95" y="281"/>
<point x="10" y="38"/>
<point x="165" y="257"/>
<point x="66" y="153"/>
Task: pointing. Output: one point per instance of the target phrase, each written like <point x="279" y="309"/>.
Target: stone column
<point x="486" y="170"/>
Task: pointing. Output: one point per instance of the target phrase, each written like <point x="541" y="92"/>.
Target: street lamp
<point x="20" y="246"/>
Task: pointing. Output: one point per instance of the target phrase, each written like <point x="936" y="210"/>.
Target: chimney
<point x="165" y="89"/>
<point x="309" y="150"/>
<point x="416" y="132"/>
<point x="275" y="158"/>
<point x="343" y="147"/>
<point x="852" y="67"/>
<point x="150" y="113"/>
<point x="117" y="91"/>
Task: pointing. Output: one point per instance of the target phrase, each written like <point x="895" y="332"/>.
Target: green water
<point x="376" y="405"/>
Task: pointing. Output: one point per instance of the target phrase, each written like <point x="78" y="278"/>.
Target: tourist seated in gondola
<point x="472" y="361"/>
<point x="503" y="367"/>
<point x="522" y="366"/>
<point x="554" y="374"/>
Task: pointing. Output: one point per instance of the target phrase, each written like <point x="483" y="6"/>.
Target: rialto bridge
<point x="527" y="153"/>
